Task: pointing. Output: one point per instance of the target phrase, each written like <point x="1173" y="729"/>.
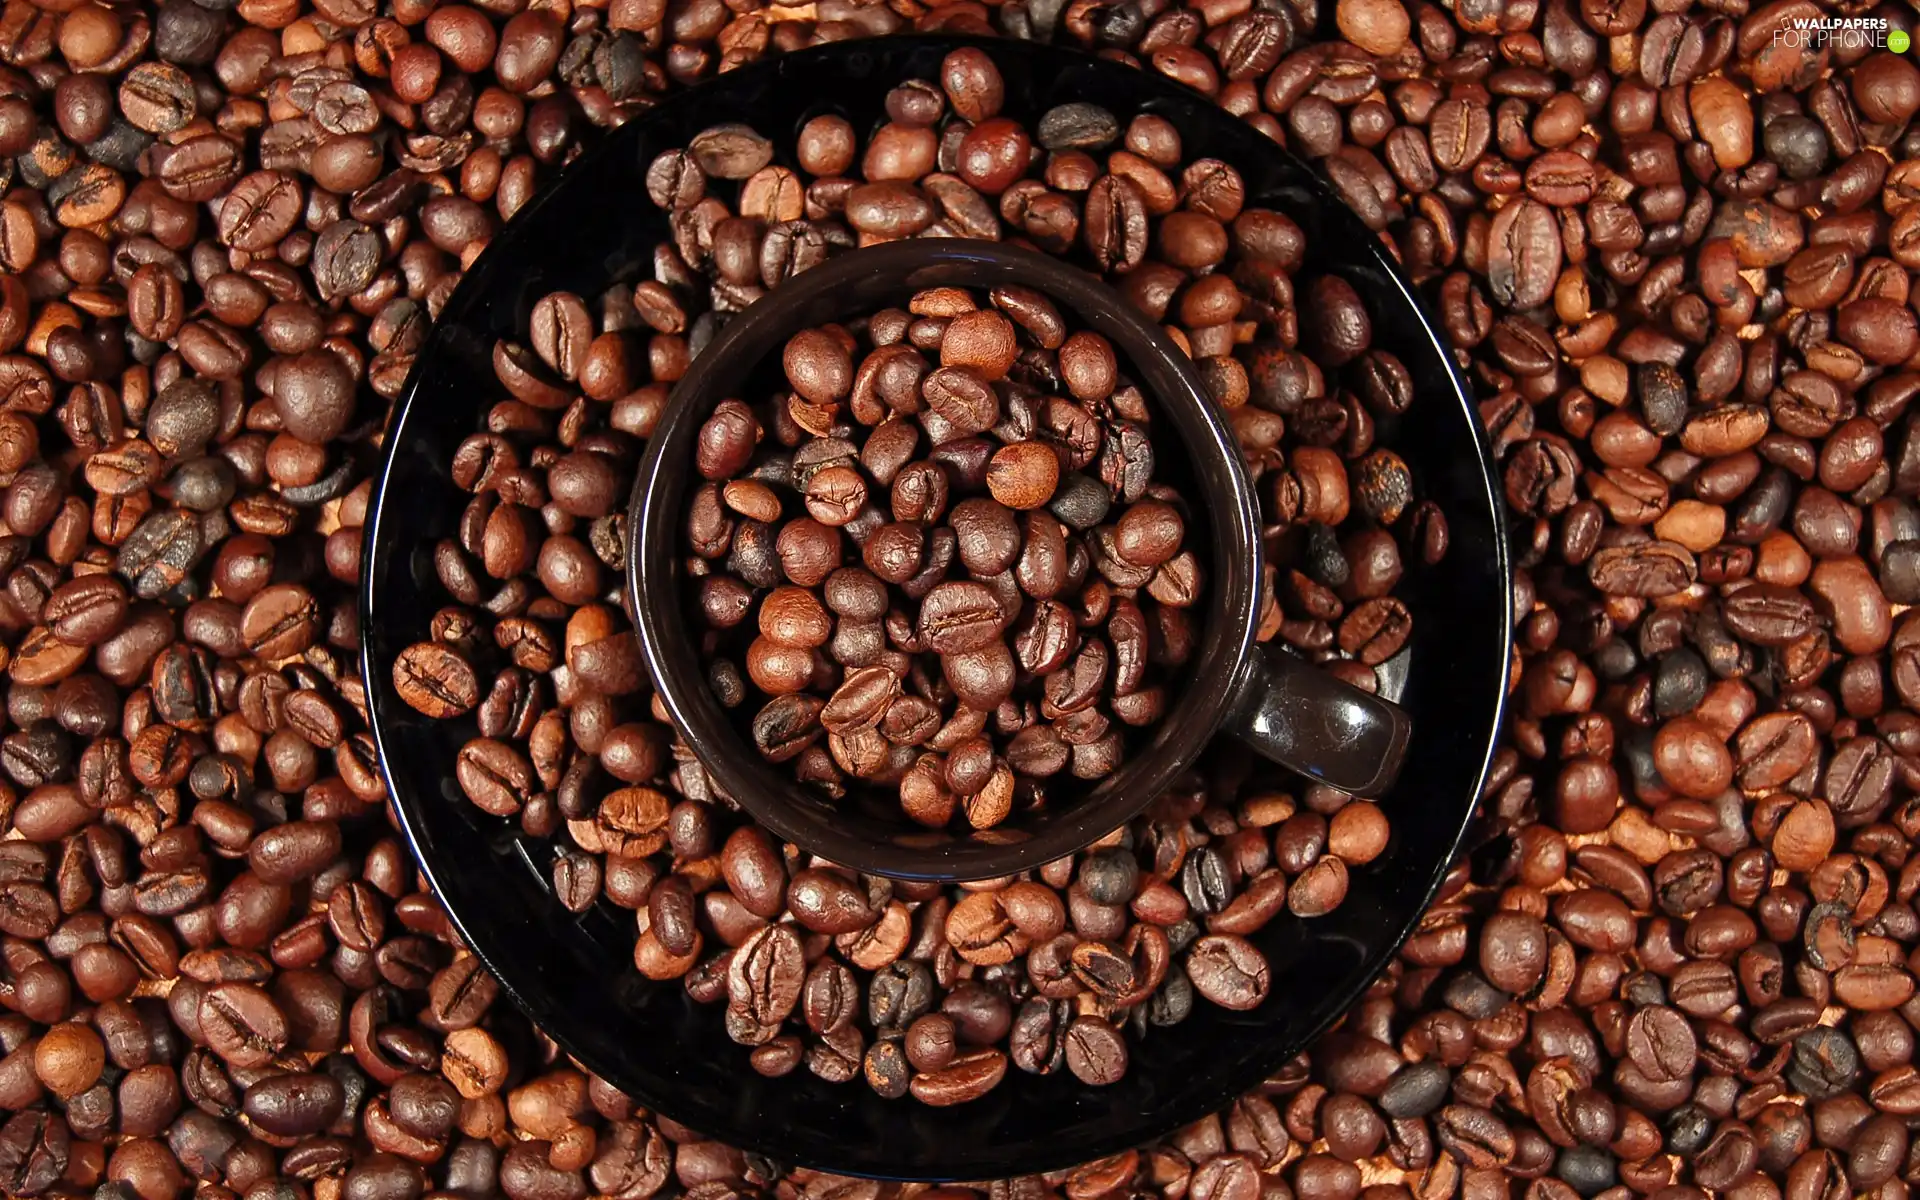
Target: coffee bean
<point x="959" y="616"/>
<point x="1660" y="1044"/>
<point x="435" y="680"/>
<point x="242" y="1024"/>
<point x="968" y="1077"/>
<point x="295" y="1105"/>
<point x="1078" y="127"/>
<point x="1096" y="1053"/>
<point x="1229" y="971"/>
<point x="461" y="993"/>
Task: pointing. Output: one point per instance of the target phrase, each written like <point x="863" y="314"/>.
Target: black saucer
<point x="574" y="975"/>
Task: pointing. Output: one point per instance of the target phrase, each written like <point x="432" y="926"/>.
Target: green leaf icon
<point x="1898" y="41"/>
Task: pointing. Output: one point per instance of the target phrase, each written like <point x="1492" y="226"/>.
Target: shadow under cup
<point x="867" y="828"/>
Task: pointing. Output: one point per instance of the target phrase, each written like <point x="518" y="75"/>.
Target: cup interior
<point x="866" y="829"/>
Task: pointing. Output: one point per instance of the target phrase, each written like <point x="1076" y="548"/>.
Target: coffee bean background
<point x="1675" y="251"/>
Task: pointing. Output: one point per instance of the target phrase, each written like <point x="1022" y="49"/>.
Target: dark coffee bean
<point x="294" y="1105"/>
<point x="1824" y="1063"/>
<point x="1078" y="127"/>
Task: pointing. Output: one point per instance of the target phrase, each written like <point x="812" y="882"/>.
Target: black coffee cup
<point x="1286" y="709"/>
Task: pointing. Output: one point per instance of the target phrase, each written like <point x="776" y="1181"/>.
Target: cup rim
<point x="1164" y="372"/>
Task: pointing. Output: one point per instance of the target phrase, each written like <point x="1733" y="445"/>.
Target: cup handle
<point x="1307" y="720"/>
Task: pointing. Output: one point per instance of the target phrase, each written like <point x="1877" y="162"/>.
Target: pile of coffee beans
<point x="1023" y="584"/>
<point x="1634" y="988"/>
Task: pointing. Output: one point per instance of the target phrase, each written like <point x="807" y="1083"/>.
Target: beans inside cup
<point x="962" y="578"/>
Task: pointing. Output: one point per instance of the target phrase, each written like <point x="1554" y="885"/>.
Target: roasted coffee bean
<point x="1228" y="971"/>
